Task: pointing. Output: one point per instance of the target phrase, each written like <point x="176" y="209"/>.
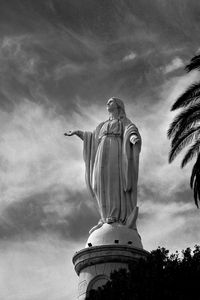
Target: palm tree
<point x="185" y="129"/>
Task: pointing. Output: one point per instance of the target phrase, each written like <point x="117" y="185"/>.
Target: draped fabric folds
<point x="112" y="163"/>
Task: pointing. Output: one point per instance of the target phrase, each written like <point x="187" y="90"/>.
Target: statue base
<point x="109" y="248"/>
<point x="94" y="264"/>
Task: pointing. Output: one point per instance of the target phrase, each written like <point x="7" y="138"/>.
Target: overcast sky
<point x="60" y="61"/>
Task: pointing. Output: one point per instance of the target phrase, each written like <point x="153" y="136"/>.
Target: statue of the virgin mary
<point x="111" y="155"/>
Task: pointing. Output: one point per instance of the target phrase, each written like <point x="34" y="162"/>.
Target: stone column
<point x="109" y="248"/>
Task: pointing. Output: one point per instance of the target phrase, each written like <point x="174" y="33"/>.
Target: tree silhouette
<point x="161" y="276"/>
<point x="185" y="129"/>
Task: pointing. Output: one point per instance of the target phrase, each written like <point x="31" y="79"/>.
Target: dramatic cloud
<point x="130" y="56"/>
<point x="34" y="270"/>
<point x="174" y="65"/>
<point x="164" y="224"/>
<point x="42" y="171"/>
<point x="33" y="151"/>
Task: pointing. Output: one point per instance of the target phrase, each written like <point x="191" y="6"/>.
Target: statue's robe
<point x="112" y="163"/>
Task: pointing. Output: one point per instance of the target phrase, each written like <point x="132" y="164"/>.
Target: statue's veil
<point x="121" y="107"/>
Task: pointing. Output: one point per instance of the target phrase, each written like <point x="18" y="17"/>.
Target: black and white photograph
<point x="99" y="149"/>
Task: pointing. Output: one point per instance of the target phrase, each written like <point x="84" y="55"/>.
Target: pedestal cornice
<point x="106" y="254"/>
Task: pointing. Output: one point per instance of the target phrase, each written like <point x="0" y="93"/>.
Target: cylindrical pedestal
<point x="95" y="264"/>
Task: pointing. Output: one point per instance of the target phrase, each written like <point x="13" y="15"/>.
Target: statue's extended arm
<point x="79" y="133"/>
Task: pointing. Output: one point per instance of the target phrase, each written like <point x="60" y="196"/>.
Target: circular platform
<point x="112" y="234"/>
<point x="107" y="254"/>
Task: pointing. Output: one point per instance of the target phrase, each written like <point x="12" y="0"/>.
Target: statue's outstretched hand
<point x="70" y="133"/>
<point x="79" y="133"/>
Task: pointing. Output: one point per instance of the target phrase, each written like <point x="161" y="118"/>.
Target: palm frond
<point x="195" y="192"/>
<point x="195" y="180"/>
<point x="182" y="118"/>
<point x="194" y="64"/>
<point x="182" y="141"/>
<point x="185" y="138"/>
<point x="191" y="121"/>
<point x="193" y="150"/>
<point x="190" y="96"/>
<point x="185" y="128"/>
<point x="195" y="170"/>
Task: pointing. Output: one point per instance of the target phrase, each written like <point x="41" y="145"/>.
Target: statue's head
<point x="117" y="104"/>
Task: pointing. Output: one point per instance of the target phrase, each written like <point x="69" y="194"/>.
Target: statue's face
<point x="111" y="105"/>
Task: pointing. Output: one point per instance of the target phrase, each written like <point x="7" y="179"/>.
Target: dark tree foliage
<point x="185" y="130"/>
<point x="161" y="276"/>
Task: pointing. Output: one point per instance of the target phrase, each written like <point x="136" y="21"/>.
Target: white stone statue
<point x="111" y="155"/>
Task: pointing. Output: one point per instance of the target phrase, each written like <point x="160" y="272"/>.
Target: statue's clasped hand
<point x="134" y="139"/>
